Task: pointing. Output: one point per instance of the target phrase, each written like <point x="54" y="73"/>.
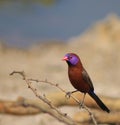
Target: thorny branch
<point x="58" y="114"/>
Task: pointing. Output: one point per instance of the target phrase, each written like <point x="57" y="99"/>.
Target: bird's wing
<point x="87" y="79"/>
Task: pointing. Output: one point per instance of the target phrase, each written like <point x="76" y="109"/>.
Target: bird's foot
<point x="68" y="94"/>
<point x="81" y="105"/>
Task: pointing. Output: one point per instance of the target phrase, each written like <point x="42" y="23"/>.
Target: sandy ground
<point x="99" y="49"/>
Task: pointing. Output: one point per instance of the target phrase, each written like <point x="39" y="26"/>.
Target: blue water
<point x="23" y="25"/>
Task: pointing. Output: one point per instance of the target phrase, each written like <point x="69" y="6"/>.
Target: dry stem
<point x="55" y="112"/>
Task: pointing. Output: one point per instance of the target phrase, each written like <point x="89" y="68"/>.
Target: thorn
<point x="35" y="89"/>
<point x="44" y="95"/>
<point x="57" y="84"/>
<point x="65" y="114"/>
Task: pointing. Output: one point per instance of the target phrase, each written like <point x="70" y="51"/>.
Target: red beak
<point x="65" y="58"/>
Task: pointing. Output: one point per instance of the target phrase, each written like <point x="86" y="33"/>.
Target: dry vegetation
<point x="99" y="49"/>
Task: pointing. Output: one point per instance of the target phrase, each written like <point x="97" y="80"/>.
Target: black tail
<point x="99" y="102"/>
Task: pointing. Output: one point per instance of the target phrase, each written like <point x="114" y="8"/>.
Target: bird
<point x="80" y="79"/>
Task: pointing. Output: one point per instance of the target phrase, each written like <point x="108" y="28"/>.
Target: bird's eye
<point x="70" y="57"/>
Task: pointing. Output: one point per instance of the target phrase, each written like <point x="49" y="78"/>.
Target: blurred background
<point x="25" y="22"/>
<point x="36" y="34"/>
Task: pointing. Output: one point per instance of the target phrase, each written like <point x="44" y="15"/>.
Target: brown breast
<point x="76" y="78"/>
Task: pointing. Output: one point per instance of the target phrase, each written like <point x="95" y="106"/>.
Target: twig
<point x="58" y="114"/>
<point x="44" y="99"/>
<point x="73" y="97"/>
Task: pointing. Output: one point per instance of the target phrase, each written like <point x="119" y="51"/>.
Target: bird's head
<point x="71" y="59"/>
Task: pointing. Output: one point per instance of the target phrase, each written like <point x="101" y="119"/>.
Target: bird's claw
<point x="81" y="105"/>
<point x="68" y="94"/>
